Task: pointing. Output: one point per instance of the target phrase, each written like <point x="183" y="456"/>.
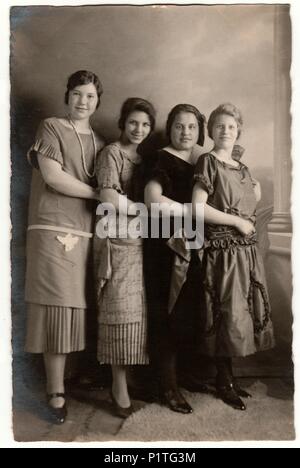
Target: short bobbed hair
<point x="193" y="110"/>
<point x="227" y="109"/>
<point x="83" y="77"/>
<point x="134" y="104"/>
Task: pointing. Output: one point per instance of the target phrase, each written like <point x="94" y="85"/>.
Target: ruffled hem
<point x="39" y="147"/>
<point x="229" y="242"/>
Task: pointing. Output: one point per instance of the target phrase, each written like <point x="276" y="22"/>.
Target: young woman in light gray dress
<point x="61" y="219"/>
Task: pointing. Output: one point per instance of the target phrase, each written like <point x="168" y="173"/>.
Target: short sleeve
<point x="205" y="173"/>
<point x="162" y="173"/>
<point x="108" y="169"/>
<point x="47" y="143"/>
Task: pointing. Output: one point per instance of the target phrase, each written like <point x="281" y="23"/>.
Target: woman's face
<point x="83" y="101"/>
<point x="225" y="131"/>
<point x="137" y="127"/>
<point x="184" y="131"/>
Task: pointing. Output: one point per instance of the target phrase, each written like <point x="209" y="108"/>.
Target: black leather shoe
<point x="175" y="401"/>
<point x="228" y="394"/>
<point x="59" y="414"/>
<point x="240" y="391"/>
<point x="119" y="410"/>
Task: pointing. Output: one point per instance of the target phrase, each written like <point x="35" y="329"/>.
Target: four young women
<point x="153" y="296"/>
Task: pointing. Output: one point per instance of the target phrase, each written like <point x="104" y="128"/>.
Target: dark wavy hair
<point x="136" y="104"/>
<point x="83" y="77"/>
<point x="193" y="110"/>
<point x="228" y="109"/>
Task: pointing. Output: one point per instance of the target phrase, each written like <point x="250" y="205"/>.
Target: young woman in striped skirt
<point x="118" y="258"/>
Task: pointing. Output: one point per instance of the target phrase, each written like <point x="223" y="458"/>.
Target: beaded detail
<point x="90" y="175"/>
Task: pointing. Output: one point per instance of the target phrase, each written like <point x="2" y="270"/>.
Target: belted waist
<point x="46" y="227"/>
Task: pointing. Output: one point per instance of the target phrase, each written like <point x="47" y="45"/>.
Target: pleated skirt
<point x="124" y="344"/>
<point x="55" y="329"/>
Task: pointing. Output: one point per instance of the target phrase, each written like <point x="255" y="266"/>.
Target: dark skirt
<point x="235" y="304"/>
<point x="181" y="327"/>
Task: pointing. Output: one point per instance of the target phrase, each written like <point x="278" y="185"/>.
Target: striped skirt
<point x="55" y="329"/>
<point x="124" y="344"/>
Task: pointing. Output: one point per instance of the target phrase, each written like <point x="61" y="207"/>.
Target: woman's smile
<point x="137" y="127"/>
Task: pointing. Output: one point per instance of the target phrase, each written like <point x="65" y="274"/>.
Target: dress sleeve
<point x="205" y="173"/>
<point x="108" y="169"/>
<point x="254" y="181"/>
<point x="162" y="173"/>
<point x="47" y="143"/>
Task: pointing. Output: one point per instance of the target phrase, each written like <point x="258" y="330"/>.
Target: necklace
<point x="90" y="175"/>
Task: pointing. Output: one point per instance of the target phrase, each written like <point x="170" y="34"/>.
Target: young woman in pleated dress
<point x="122" y="312"/>
<point x="61" y="219"/>
<point x="236" y="310"/>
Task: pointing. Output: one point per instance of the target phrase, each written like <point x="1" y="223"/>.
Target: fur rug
<point x="266" y="418"/>
<point x="269" y="416"/>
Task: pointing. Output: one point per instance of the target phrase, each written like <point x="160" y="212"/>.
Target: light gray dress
<point x="60" y="230"/>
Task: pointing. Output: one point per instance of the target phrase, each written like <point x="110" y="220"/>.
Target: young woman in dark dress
<point x="170" y="185"/>
<point x="236" y="310"/>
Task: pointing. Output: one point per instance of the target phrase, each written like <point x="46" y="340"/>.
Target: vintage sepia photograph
<point x="151" y="227"/>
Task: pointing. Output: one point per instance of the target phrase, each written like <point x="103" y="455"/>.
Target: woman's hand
<point x="245" y="227"/>
<point x="96" y="195"/>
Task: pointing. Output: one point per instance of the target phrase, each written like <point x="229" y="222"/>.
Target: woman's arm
<point x="214" y="216"/>
<point x="119" y="201"/>
<point x="58" y="179"/>
<point x="154" y="194"/>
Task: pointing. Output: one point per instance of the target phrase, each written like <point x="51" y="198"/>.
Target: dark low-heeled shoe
<point x="176" y="402"/>
<point x="228" y="394"/>
<point x="59" y="414"/>
<point x="119" y="410"/>
<point x="240" y="391"/>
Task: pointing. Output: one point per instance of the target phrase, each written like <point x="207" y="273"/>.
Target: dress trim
<point x="46" y="227"/>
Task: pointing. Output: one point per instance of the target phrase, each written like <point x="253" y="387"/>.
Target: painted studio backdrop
<point x="203" y="55"/>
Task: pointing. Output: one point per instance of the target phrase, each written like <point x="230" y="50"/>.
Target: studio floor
<point x="269" y="416"/>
